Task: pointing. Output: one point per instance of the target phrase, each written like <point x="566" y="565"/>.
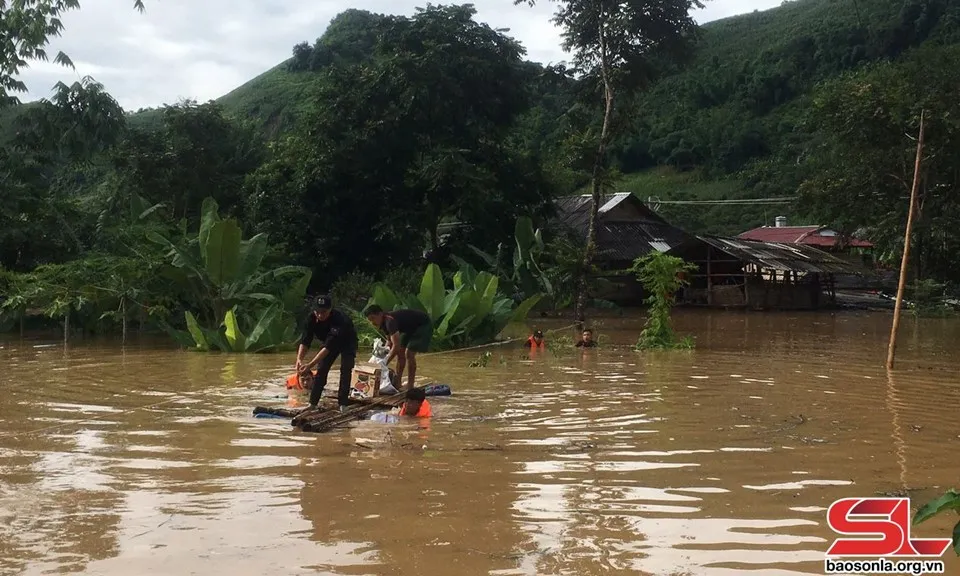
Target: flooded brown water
<point x="718" y="461"/>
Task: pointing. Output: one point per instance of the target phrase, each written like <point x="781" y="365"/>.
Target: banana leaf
<point x="411" y="302"/>
<point x="432" y="292"/>
<point x="470" y="305"/>
<point x="182" y="338"/>
<point x="481" y="281"/>
<point x="268" y="332"/>
<point x="488" y="259"/>
<point x="385" y="297"/>
<point x="209" y="216"/>
<point x="196" y="332"/>
<point x="522" y="310"/>
<point x="221" y="252"/>
<point x="251" y="256"/>
<point x="293" y="297"/>
<point x="233" y="334"/>
<point x="525" y="238"/>
<point x="486" y="295"/>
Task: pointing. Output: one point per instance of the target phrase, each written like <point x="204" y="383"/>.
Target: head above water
<point x="587" y="335"/>
<point x="538" y="335"/>
<point x="413" y="401"/>
<point x="306" y="380"/>
<point x="321" y="307"/>
<point x="374" y="314"/>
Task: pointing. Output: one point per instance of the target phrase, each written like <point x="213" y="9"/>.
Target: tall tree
<point x="416" y="132"/>
<point x="26" y="27"/>
<point x="620" y="45"/>
<point x="862" y="170"/>
<point x="50" y="162"/>
<point x="198" y="152"/>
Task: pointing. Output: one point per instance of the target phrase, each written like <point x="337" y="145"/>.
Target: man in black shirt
<point x="339" y="337"/>
<point x="409" y="332"/>
<point x="586" y="339"/>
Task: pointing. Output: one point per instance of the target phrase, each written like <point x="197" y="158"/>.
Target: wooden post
<point x="709" y="278"/>
<point x="891" y="349"/>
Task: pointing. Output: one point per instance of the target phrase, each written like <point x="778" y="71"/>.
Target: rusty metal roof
<point x="781" y="256"/>
<point x="810" y="235"/>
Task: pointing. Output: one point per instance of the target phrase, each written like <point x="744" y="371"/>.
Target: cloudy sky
<point x="202" y="49"/>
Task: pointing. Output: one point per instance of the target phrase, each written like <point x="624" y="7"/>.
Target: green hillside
<point x="739" y="114"/>
<point x="718" y="128"/>
<point x="417" y="119"/>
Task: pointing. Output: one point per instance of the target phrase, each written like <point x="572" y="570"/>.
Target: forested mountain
<point x="743" y="109"/>
<point x="351" y="152"/>
<point x="734" y="124"/>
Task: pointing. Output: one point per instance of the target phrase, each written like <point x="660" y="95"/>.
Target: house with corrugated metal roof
<point x="822" y="237"/>
<point x="732" y="272"/>
<point x="626" y="228"/>
<point x="740" y="273"/>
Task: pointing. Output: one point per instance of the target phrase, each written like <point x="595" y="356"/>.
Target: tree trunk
<point x="596" y="184"/>
<point x="434" y="234"/>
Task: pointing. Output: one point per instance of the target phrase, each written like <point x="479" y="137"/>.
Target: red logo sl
<point x="892" y="526"/>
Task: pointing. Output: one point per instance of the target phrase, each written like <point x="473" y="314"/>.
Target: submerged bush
<point x="661" y="276"/>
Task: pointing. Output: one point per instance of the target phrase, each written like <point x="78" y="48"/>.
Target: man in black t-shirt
<point x="586" y="339"/>
<point x="339" y="338"/>
<point x="409" y="332"/>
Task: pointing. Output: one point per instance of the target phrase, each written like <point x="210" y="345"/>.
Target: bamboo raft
<point x="328" y="416"/>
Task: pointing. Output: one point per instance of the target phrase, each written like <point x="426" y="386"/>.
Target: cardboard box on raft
<point x="366" y="379"/>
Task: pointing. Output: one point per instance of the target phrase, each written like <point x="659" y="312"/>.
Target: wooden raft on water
<point x="328" y="417"/>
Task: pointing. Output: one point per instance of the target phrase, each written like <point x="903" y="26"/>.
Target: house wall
<point x="767" y="295"/>
<point x="726" y="279"/>
<point x="626" y="291"/>
<point x="733" y="284"/>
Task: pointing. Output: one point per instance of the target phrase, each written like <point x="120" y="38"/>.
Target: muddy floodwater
<point x="719" y="461"/>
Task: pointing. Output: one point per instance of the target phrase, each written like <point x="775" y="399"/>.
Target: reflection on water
<point x="718" y="461"/>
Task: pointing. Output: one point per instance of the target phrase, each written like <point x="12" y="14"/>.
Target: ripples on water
<point x="717" y="461"/>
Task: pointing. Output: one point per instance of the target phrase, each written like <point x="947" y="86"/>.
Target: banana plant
<point x="472" y="312"/>
<point x="273" y="331"/>
<point x="224" y="277"/>
<point x="526" y="278"/>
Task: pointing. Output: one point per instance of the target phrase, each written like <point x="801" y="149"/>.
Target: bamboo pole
<point x="891" y="349"/>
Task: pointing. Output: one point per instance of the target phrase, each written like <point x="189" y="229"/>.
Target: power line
<point x="777" y="200"/>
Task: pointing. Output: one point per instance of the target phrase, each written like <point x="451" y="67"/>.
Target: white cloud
<point x="202" y="50"/>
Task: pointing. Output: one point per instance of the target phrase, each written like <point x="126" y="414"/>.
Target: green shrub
<point x="661" y="276"/>
<point x="469" y="313"/>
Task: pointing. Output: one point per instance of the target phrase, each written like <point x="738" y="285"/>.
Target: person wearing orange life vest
<point x="535" y="342"/>
<point x="416" y="405"/>
<point x="302" y="381"/>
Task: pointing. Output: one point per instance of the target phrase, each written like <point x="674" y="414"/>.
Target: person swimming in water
<point x="586" y="339"/>
<point x="535" y="341"/>
<point x="416" y="404"/>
